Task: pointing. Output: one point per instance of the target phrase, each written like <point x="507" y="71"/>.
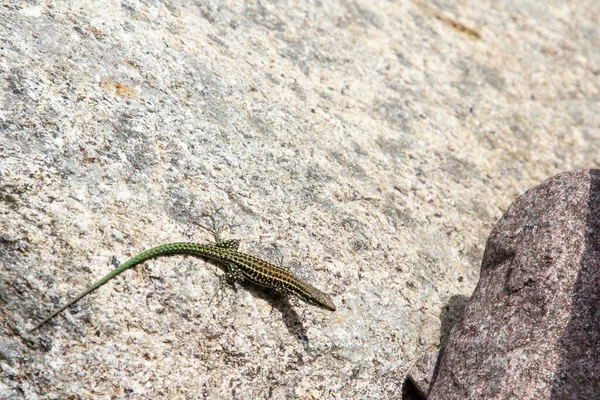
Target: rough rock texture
<point x="370" y="144"/>
<point x="420" y="376"/>
<point x="532" y="327"/>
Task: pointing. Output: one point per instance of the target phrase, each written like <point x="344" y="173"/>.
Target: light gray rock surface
<point x="372" y="144"/>
<point x="532" y="329"/>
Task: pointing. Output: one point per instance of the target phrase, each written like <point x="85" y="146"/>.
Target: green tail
<point x="132" y="262"/>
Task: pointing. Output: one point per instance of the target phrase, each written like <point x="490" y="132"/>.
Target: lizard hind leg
<point x="228" y="279"/>
<point x="232" y="244"/>
<point x="234" y="274"/>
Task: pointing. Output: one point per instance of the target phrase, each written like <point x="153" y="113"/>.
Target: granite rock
<point x="532" y="328"/>
<point x="371" y="145"/>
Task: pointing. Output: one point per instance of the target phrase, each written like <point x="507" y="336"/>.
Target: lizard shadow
<point x="291" y="319"/>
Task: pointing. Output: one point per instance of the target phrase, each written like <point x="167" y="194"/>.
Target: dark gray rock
<point x="532" y="328"/>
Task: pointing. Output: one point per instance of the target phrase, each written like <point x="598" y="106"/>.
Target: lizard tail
<point x="132" y="262"/>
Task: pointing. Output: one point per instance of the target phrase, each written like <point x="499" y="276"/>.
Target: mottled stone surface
<point x="420" y="376"/>
<point x="532" y="327"/>
<point x="370" y="144"/>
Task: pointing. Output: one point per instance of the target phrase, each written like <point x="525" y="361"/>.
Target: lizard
<point x="239" y="267"/>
